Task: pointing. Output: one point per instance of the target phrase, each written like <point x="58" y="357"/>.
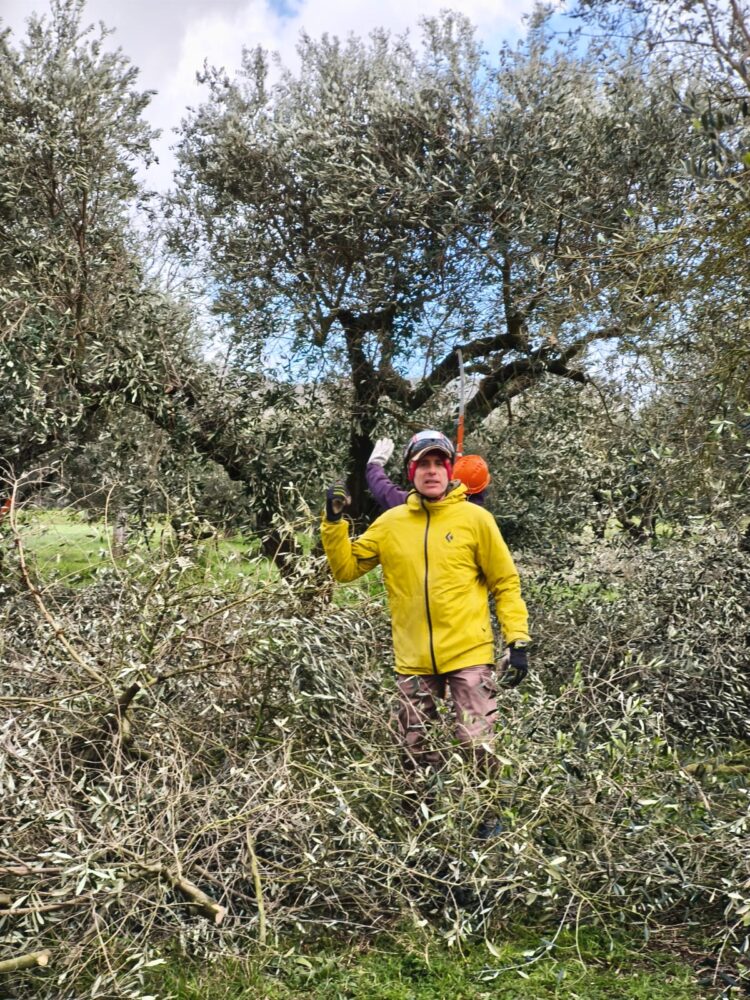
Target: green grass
<point x="63" y="547"/>
<point x="369" y="586"/>
<point x="589" y="965"/>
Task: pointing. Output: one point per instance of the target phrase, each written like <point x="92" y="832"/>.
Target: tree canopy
<point x="386" y="205"/>
<point x="548" y="210"/>
<point x="72" y="134"/>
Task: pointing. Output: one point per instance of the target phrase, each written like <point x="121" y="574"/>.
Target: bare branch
<point x="34" y="959"/>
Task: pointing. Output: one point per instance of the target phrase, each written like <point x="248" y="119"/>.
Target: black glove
<point x="336" y="499"/>
<point x="517" y="668"/>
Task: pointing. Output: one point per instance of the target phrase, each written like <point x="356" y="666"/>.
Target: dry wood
<point x="23" y="911"/>
<point x="57" y="629"/>
<point x="22" y="870"/>
<point x="210" y="908"/>
<point x="258" y="889"/>
<point x="215" y="911"/>
<point x="31" y="961"/>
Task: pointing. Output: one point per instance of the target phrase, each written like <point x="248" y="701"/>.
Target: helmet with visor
<point x="426" y="441"/>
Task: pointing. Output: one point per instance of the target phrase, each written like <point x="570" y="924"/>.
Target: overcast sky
<point x="169" y="39"/>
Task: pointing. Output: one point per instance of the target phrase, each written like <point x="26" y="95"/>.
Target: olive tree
<point x="699" y="356"/>
<point x="87" y="336"/>
<point x="72" y="135"/>
<point x="388" y="204"/>
<point x="699" y="50"/>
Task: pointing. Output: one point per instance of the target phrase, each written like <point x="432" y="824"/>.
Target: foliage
<point x="72" y="135"/>
<point x="701" y="268"/>
<point x="388" y="204"/>
<point x="667" y="622"/>
<point x="235" y="450"/>
<point x="566" y="464"/>
<point x="105" y="384"/>
<point x="548" y="460"/>
<point x="166" y="738"/>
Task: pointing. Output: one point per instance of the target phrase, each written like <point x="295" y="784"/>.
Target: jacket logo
<point x="449" y="537"/>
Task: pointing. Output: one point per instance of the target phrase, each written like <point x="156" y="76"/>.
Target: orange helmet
<point x="473" y="473"/>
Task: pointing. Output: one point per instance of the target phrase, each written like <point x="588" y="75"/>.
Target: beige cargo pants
<point x="473" y="691"/>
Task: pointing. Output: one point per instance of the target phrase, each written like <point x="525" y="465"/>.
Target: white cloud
<point x="170" y="39"/>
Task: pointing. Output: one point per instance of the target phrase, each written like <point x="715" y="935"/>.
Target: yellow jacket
<point x="439" y="560"/>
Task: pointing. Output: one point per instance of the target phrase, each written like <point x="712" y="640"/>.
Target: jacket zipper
<point x="427" y="592"/>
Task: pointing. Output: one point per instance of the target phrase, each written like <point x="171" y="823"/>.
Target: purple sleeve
<point x="385" y="492"/>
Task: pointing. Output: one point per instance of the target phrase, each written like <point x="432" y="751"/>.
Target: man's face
<point x="431" y="476"/>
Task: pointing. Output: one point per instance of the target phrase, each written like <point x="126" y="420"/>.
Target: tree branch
<point x="31" y="961"/>
<point x="57" y="629"/>
<point x="447" y="369"/>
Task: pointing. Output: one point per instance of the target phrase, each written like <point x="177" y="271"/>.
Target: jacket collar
<point x="456" y="492"/>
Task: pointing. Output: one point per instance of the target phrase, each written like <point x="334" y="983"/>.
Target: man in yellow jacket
<point x="441" y="556"/>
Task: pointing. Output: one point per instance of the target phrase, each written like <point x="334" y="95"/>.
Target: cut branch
<point x="33" y="960"/>
<point x="63" y="904"/>
<point x="213" y="910"/>
<point x="57" y="629"/>
<point x="257" y="885"/>
<point x="209" y="907"/>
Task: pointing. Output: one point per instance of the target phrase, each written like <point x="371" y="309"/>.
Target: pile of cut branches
<point x="183" y="767"/>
